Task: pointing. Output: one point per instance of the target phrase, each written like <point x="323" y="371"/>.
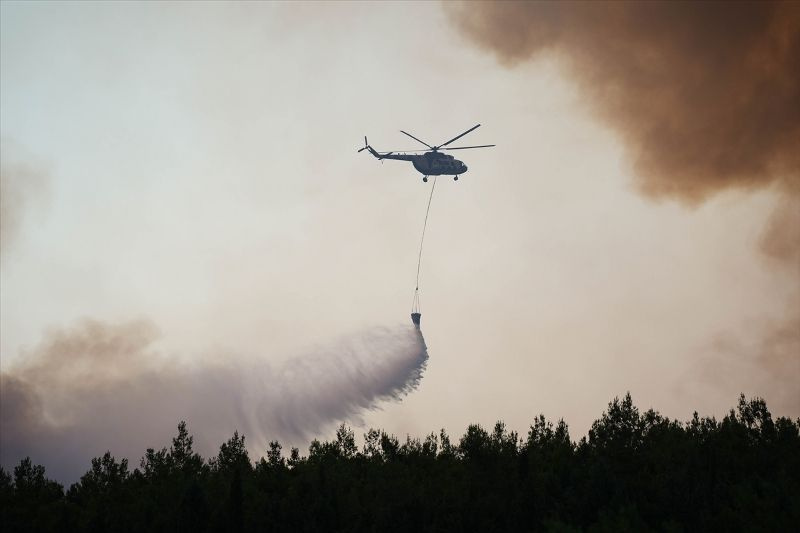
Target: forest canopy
<point x="633" y="471"/>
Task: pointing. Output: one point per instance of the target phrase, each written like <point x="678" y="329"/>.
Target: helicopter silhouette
<point x="432" y="162"/>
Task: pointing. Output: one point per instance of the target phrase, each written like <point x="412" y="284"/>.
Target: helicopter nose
<point x="463" y="167"/>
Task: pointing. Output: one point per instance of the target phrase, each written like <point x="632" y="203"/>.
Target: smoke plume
<point x="22" y="182"/>
<point x="101" y="386"/>
<point x="705" y="95"/>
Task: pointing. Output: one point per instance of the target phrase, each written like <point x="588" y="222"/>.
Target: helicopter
<point x="432" y="162"/>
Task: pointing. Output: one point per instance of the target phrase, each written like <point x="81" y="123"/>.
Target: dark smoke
<point x="102" y="386"/>
<point x="705" y="95"/>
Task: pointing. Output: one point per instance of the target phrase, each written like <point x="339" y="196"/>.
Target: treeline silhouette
<point x="633" y="472"/>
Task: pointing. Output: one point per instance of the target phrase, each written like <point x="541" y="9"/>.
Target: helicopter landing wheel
<point x="425" y="179"/>
<point x="455" y="178"/>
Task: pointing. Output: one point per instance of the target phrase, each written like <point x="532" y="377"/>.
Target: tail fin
<point x="371" y="150"/>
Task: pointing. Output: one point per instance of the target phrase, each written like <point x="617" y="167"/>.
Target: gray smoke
<point x="101" y="386"/>
<point x="23" y="184"/>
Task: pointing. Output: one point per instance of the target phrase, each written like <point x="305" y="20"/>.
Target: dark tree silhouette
<point x="634" y="471"/>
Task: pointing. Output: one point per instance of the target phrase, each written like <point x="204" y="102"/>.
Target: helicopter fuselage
<point x="438" y="164"/>
<point x="430" y="163"/>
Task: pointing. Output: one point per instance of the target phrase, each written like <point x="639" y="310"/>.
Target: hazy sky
<point x="195" y="165"/>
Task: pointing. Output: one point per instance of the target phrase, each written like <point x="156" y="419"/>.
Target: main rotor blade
<point x="423" y="142"/>
<point x="467" y="147"/>
<point x="458" y="137"/>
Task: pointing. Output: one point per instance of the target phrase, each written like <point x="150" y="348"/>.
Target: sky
<point x="190" y="170"/>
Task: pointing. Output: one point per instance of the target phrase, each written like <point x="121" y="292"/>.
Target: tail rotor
<point x="366" y="144"/>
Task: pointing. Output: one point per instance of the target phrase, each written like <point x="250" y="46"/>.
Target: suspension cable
<point x="415" y="303"/>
